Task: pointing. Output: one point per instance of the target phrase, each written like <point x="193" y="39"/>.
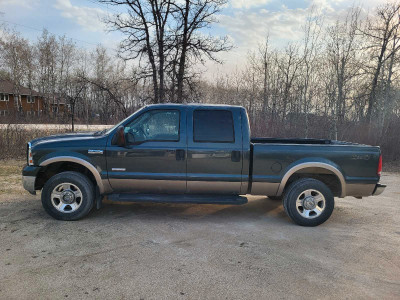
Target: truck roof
<point x="203" y="105"/>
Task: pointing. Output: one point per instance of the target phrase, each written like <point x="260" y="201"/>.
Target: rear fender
<point x="313" y="163"/>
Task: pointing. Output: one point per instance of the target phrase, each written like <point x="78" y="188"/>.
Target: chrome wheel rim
<point x="66" y="197"/>
<point x="310" y="204"/>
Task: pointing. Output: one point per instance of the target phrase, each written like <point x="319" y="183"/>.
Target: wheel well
<point x="321" y="174"/>
<point x="52" y="169"/>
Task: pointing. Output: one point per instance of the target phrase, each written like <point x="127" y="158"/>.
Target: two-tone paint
<point x="246" y="166"/>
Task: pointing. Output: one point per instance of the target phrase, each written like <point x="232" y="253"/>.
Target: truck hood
<point x="64" y="137"/>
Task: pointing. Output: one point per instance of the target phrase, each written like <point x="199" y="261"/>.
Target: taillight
<point x="379" y="172"/>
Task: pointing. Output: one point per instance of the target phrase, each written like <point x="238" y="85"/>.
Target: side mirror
<point x="130" y="138"/>
<point x="119" y="137"/>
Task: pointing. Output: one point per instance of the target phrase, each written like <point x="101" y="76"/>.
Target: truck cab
<point x="181" y="150"/>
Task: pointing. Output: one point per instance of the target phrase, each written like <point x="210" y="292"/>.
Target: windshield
<point x="119" y="124"/>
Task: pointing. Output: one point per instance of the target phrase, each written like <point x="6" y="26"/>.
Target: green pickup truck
<point x="194" y="153"/>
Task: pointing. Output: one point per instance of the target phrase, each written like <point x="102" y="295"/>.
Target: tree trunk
<point x="182" y="60"/>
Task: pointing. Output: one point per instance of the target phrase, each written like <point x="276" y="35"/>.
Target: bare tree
<point x="145" y="28"/>
<point x="381" y="32"/>
<point x="47" y="51"/>
<point x="191" y="45"/>
<point x="289" y="65"/>
<point x="15" y="56"/>
<point x="341" y="54"/>
<point x="165" y="34"/>
<point x="311" y="50"/>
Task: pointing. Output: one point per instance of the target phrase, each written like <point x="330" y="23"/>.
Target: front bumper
<point x="29" y="178"/>
<point x="379" y="188"/>
<point x="29" y="183"/>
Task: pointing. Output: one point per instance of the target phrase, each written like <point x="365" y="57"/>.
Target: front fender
<point x="78" y="158"/>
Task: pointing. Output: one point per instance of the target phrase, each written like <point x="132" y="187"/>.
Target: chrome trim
<point x="379" y="188"/>
<point x="313" y="165"/>
<point x="310" y="204"/>
<point x="86" y="164"/>
<point x="66" y="197"/>
<point x="93" y="151"/>
<point x="29" y="184"/>
<point x="118" y="169"/>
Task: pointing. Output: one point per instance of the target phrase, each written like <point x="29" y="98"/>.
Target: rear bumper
<point x="379" y="188"/>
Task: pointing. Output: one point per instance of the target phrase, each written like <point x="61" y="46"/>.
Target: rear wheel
<point x="308" y="202"/>
<point x="68" y="196"/>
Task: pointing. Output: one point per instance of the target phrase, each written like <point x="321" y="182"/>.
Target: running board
<point x="185" y="198"/>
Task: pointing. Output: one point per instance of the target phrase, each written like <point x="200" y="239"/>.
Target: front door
<point x="154" y="159"/>
<point x="214" y="161"/>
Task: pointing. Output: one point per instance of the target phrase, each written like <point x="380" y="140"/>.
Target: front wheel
<point x="308" y="202"/>
<point x="68" y="196"/>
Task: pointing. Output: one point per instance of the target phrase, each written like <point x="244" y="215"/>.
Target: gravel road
<point x="148" y="251"/>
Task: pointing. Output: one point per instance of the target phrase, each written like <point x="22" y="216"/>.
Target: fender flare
<point x="80" y="161"/>
<point x="304" y="165"/>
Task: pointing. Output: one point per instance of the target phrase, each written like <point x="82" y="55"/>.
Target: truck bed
<point x="272" y="158"/>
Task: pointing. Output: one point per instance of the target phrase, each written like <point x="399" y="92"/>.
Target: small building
<point x="27" y="101"/>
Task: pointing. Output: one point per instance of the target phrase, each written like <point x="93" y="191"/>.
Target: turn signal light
<point x="30" y="158"/>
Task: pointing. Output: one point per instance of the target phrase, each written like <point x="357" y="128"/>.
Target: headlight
<point x="29" y="155"/>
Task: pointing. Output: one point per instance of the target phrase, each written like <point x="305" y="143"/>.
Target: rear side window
<point x="213" y="126"/>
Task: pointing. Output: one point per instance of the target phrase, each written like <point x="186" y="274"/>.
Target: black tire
<point x="86" y="201"/>
<point x="275" y="198"/>
<point x="297" y="189"/>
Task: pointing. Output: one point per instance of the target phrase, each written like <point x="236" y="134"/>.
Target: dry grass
<point x="10" y="176"/>
<point x="13" y="139"/>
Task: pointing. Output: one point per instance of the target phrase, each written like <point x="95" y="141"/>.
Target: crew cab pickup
<point x="197" y="154"/>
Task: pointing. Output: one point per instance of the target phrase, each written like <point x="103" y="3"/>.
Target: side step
<point x="184" y="198"/>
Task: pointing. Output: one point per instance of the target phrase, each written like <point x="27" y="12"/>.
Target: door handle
<point x="235" y="156"/>
<point x="180" y="154"/>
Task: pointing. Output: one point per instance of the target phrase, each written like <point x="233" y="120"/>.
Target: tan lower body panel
<point x="264" y="188"/>
<point x="213" y="187"/>
<point x="359" y="189"/>
<point x="149" y="186"/>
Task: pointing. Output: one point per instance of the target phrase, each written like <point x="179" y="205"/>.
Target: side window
<point x="154" y="125"/>
<point x="213" y="126"/>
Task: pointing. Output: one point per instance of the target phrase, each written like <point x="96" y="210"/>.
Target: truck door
<point x="154" y="159"/>
<point x="214" y="161"/>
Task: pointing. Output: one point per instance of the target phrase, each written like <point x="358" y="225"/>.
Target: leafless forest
<point x="339" y="81"/>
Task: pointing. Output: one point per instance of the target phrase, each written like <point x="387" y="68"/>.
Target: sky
<point x="245" y="22"/>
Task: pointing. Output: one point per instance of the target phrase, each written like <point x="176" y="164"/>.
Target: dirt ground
<point x="156" y="251"/>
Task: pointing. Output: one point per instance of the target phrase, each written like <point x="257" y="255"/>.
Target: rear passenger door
<point x="214" y="161"/>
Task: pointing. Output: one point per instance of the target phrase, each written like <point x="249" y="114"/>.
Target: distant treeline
<point x="339" y="81"/>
